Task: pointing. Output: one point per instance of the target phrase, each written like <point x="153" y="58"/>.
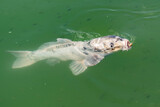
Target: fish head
<point x="109" y="44"/>
<point x="116" y="43"/>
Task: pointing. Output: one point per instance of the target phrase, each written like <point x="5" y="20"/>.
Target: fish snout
<point x="126" y="45"/>
<point x="129" y="45"/>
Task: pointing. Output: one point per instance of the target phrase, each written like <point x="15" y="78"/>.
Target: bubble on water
<point x="45" y="84"/>
<point x="10" y="32"/>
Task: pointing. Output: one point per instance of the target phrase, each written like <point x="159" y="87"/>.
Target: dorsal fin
<point x="62" y="40"/>
<point x="48" y="44"/>
<point x="59" y="41"/>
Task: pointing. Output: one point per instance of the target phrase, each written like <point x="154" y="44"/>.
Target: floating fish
<point x="83" y="54"/>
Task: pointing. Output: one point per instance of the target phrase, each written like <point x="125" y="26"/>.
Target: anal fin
<point x="53" y="61"/>
<point x="78" y="67"/>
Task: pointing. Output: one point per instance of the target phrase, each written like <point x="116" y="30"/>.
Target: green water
<point x="123" y="79"/>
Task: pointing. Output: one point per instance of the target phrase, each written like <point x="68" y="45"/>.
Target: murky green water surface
<point x="123" y="79"/>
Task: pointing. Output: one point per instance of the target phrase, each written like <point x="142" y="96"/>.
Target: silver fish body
<point x="82" y="54"/>
<point x="64" y="52"/>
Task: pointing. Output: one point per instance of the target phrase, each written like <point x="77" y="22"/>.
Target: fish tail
<point x="23" y="59"/>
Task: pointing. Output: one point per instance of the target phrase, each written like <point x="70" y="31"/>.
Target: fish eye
<point x="112" y="45"/>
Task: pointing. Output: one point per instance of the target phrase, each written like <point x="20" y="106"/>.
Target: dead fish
<point x="83" y="54"/>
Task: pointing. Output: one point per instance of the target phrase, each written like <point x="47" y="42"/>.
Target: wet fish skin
<point x="83" y="54"/>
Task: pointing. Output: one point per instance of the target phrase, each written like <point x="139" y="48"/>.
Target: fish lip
<point x="129" y="45"/>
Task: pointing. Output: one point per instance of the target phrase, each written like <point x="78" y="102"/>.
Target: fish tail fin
<point x="23" y="59"/>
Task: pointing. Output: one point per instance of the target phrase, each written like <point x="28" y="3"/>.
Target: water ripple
<point x="148" y="13"/>
<point x="124" y="10"/>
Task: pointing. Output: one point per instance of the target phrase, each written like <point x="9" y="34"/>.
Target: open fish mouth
<point x="129" y="45"/>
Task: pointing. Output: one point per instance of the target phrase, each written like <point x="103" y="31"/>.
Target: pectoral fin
<point x="93" y="59"/>
<point x="78" y="67"/>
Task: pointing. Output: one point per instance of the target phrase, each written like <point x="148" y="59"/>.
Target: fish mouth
<point x="129" y="45"/>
